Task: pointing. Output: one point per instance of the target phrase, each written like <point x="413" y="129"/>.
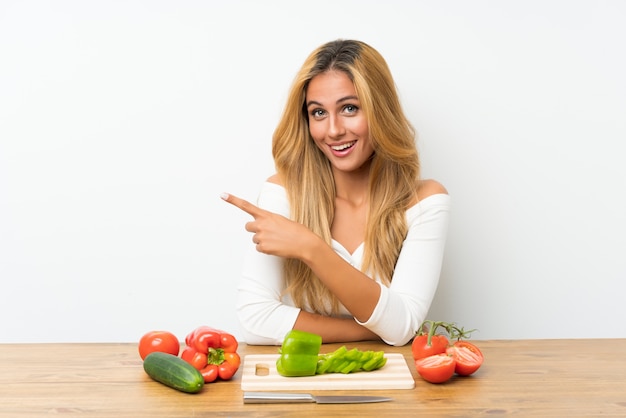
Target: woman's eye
<point x="350" y="108"/>
<point x="317" y="113"/>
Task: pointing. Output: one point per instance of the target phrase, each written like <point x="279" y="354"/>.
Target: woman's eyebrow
<point x="313" y="103"/>
<point x="343" y="99"/>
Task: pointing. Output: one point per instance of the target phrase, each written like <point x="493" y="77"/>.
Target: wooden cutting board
<point x="395" y="374"/>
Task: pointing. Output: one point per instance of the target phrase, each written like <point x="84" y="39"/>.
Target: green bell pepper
<point x="299" y="354"/>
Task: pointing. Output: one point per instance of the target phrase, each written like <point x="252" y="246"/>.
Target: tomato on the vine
<point x="422" y="348"/>
<point x="163" y="341"/>
<point x="467" y="356"/>
<point x="437" y="368"/>
<point x="436" y="359"/>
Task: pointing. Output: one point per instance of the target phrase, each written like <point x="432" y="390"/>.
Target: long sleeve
<point x="265" y="314"/>
<point x="403" y="307"/>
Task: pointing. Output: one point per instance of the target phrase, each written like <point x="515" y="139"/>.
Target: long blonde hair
<point x="307" y="176"/>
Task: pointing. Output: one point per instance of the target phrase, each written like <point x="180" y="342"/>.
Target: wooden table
<point x="560" y="378"/>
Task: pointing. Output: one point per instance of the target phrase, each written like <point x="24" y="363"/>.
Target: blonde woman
<point x="347" y="239"/>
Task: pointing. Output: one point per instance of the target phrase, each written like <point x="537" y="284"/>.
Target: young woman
<point x="348" y="239"/>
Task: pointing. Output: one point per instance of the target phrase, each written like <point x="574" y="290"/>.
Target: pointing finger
<point x="242" y="204"/>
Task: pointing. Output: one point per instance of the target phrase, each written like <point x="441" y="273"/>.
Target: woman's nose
<point x="336" y="128"/>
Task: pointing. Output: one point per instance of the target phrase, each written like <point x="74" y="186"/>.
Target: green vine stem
<point x="454" y="332"/>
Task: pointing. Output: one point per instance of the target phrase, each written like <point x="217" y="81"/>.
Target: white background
<point x="121" y="122"/>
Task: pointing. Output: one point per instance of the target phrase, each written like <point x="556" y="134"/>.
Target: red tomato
<point x="437" y="368"/>
<point x="421" y="349"/>
<point x="162" y="341"/>
<point x="467" y="356"/>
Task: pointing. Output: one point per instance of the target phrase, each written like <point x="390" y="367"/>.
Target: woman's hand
<point x="274" y="234"/>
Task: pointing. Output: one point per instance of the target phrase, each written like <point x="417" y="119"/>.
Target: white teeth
<point x="343" y="146"/>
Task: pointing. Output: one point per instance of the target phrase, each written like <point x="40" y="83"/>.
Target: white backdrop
<point x="121" y="122"/>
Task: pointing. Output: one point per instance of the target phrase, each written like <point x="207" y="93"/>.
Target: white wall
<point x="122" y="121"/>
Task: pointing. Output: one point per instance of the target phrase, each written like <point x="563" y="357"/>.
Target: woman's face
<point x="336" y="122"/>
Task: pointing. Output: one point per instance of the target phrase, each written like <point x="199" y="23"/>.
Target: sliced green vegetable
<point x="343" y="360"/>
<point x="299" y="356"/>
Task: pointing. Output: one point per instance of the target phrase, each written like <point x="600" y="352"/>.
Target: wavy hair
<point x="308" y="179"/>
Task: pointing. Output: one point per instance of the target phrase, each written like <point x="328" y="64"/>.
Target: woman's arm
<point x="334" y="330"/>
<point x="266" y="314"/>
<point x="404" y="305"/>
<point x="354" y="289"/>
<point x="393" y="313"/>
<point x="397" y="312"/>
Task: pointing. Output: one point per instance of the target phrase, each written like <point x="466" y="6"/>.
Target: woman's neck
<point x="353" y="186"/>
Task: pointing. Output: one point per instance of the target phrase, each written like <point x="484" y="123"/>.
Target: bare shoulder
<point x="429" y="187"/>
<point x="275" y="178"/>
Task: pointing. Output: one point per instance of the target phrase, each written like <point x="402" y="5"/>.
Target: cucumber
<point x="173" y="371"/>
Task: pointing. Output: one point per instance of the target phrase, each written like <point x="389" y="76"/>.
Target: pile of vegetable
<point x="209" y="355"/>
<point x="440" y="355"/>
<point x="300" y="356"/>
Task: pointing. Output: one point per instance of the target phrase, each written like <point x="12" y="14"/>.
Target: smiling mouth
<point x="343" y="146"/>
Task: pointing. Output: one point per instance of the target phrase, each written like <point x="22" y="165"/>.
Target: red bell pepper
<point x="213" y="352"/>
